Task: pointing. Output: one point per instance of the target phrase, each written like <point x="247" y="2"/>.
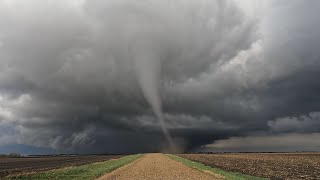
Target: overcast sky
<point x="93" y="76"/>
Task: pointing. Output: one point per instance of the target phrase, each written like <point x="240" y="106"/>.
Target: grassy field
<point x="226" y="174"/>
<point x="89" y="171"/>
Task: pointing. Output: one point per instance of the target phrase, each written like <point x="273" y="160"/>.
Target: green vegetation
<point x="226" y="174"/>
<point x="89" y="171"/>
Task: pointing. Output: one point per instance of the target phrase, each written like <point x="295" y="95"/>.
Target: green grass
<point x="226" y="174"/>
<point x="88" y="171"/>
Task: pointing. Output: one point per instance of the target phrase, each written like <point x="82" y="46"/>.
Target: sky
<point x="127" y="76"/>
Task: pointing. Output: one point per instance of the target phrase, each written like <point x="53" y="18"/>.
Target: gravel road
<point x="157" y="166"/>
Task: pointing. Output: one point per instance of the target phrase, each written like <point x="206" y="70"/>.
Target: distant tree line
<point x="10" y="155"/>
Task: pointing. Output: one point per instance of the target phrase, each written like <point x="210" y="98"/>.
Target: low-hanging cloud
<point x="291" y="142"/>
<point x="81" y="74"/>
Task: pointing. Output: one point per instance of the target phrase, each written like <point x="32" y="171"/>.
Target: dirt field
<point x="35" y="164"/>
<point x="158" y="167"/>
<point x="271" y="165"/>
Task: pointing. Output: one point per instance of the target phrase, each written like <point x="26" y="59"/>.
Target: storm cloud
<point x="96" y="76"/>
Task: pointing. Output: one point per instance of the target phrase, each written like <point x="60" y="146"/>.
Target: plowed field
<point x="36" y="164"/>
<point x="271" y="165"/>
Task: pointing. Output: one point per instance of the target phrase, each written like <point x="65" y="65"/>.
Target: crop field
<point x="37" y="164"/>
<point x="228" y="166"/>
<point x="270" y="165"/>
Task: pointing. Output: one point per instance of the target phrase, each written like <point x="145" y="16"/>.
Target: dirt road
<point x="157" y="166"/>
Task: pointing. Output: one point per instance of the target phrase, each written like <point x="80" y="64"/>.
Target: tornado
<point x="148" y="64"/>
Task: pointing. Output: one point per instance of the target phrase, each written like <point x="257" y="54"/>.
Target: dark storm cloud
<point x="291" y="142"/>
<point x="72" y="78"/>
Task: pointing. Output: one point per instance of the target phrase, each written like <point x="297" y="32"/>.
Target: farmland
<point x="231" y="166"/>
<point x="37" y="164"/>
<point x="270" y="165"/>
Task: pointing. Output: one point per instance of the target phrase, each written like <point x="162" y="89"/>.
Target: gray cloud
<point x="304" y="123"/>
<point x="74" y="75"/>
<point x="268" y="143"/>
